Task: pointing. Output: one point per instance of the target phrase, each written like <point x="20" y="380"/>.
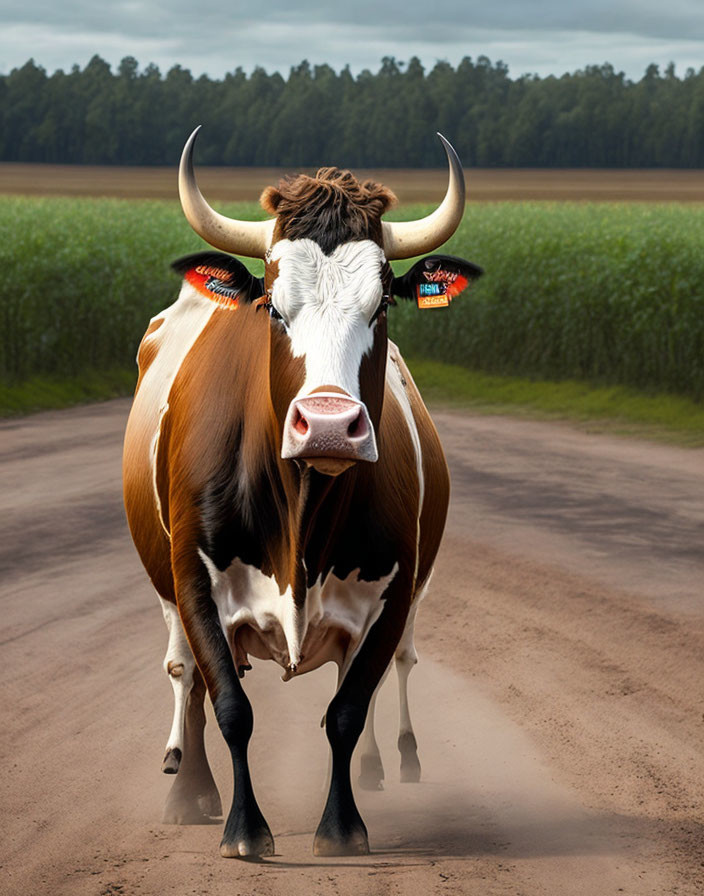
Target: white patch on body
<point x="327" y="302"/>
<point x="179" y="666"/>
<point x="182" y="324"/>
<point x="258" y="619"/>
<point x="394" y="381"/>
<point x="153" y="452"/>
<point x="245" y="596"/>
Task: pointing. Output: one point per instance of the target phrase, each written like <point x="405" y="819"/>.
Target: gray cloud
<point x="678" y="19"/>
<point x="214" y="37"/>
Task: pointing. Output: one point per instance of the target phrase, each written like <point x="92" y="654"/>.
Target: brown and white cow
<point x="284" y="483"/>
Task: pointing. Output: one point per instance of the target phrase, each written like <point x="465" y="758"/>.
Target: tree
<point x="594" y="116"/>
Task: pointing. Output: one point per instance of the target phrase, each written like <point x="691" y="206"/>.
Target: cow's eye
<point x="273" y="313"/>
<point x="383" y="305"/>
<point x="265" y="302"/>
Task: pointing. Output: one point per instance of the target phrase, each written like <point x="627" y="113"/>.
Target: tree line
<point x="594" y="117"/>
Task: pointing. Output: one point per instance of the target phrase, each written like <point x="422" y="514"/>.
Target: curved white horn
<point x="404" y="239"/>
<point x="251" y="238"/>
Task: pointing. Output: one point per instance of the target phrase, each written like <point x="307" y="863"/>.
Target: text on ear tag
<point x="432" y="295"/>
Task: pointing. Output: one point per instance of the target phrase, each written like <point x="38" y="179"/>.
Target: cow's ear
<point x="219" y="277"/>
<point x="435" y="280"/>
<point x="270" y="199"/>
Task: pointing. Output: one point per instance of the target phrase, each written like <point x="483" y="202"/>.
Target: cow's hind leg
<point x="406" y="658"/>
<point x="193" y="798"/>
<point x="371" y="775"/>
<point x="178" y="665"/>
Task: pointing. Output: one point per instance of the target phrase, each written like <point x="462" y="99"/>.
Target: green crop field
<point x="82" y="277"/>
<point x="601" y="293"/>
<point x="606" y="293"/>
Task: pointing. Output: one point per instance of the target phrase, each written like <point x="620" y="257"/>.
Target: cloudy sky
<point x="214" y="36"/>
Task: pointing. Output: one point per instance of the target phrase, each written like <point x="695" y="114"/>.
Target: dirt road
<point x="558" y="702"/>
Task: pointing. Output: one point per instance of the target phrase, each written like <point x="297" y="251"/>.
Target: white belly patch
<point x="258" y="620"/>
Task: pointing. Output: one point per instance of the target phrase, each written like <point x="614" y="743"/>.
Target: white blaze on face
<point x="327" y="303"/>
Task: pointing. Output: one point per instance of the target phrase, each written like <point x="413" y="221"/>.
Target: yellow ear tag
<point x="432" y="295"/>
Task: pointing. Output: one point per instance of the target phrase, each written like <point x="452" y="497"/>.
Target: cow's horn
<point x="251" y="238"/>
<point x="404" y="239"/>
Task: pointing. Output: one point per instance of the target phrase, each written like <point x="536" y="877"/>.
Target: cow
<point x="285" y="487"/>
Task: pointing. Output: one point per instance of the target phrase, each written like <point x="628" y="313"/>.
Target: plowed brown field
<point x="245" y="184"/>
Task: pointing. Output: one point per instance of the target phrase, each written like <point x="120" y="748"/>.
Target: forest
<point x="595" y="117"/>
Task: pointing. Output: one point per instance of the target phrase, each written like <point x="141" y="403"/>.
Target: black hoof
<point x="341" y="835"/>
<point x="371" y="774"/>
<point x="171" y="762"/>
<point x="248" y="845"/>
<point x="356" y="845"/>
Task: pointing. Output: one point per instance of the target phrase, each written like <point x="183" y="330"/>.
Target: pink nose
<point x="328" y="424"/>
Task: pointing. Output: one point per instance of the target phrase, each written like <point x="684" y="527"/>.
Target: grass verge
<point x="44" y="393"/>
<point x="615" y="409"/>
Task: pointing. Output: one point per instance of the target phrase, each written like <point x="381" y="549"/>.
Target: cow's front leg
<point x="246" y="831"/>
<point x="341" y="831"/>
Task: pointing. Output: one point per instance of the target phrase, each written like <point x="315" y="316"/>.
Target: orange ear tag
<point x="432" y="295"/>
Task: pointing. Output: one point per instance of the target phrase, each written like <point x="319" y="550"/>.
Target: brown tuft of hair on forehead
<point x="331" y="208"/>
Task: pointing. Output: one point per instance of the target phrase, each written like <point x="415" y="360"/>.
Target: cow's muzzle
<point x="329" y="430"/>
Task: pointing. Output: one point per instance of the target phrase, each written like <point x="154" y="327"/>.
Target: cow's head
<point x="326" y="288"/>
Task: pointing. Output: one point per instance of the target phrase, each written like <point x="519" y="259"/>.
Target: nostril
<point x="356" y="426"/>
<point x="300" y="424"/>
